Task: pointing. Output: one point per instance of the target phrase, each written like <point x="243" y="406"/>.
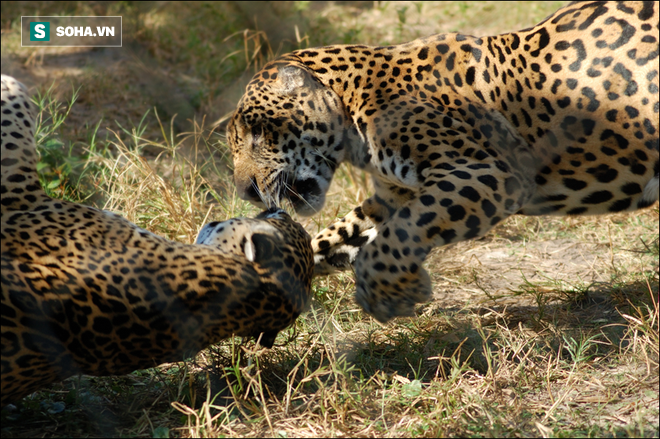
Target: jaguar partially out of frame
<point x="86" y="291"/>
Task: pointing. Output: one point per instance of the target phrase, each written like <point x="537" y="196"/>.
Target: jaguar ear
<point x="260" y="242"/>
<point x="290" y="79"/>
<point x="258" y="247"/>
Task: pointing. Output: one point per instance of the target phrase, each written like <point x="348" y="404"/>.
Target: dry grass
<point x="169" y="194"/>
<point x="545" y="327"/>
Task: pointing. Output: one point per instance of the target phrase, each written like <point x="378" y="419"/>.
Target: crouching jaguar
<point x="86" y="291"/>
<point x="458" y="133"/>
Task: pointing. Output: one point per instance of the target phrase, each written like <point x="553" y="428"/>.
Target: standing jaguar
<point x="458" y="133"/>
<point x="86" y="291"/>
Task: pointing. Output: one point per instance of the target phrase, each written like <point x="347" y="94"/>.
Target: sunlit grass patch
<point x="169" y="194"/>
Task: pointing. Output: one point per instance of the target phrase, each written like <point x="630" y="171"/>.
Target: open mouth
<point x="301" y="192"/>
<point x="305" y="195"/>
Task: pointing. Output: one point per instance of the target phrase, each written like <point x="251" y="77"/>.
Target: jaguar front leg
<point x="337" y="246"/>
<point x="389" y="275"/>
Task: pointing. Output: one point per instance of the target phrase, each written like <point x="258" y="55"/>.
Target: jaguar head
<point x="286" y="138"/>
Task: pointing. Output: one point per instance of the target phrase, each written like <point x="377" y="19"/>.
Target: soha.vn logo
<point x="40" y="31"/>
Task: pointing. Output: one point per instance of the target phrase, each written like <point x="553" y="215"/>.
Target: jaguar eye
<point x="257" y="135"/>
<point x="257" y="132"/>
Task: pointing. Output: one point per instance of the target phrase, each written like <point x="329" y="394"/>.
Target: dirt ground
<point x="503" y="266"/>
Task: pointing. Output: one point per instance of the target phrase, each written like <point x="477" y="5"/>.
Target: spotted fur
<point x="86" y="291"/>
<point x="458" y="133"/>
